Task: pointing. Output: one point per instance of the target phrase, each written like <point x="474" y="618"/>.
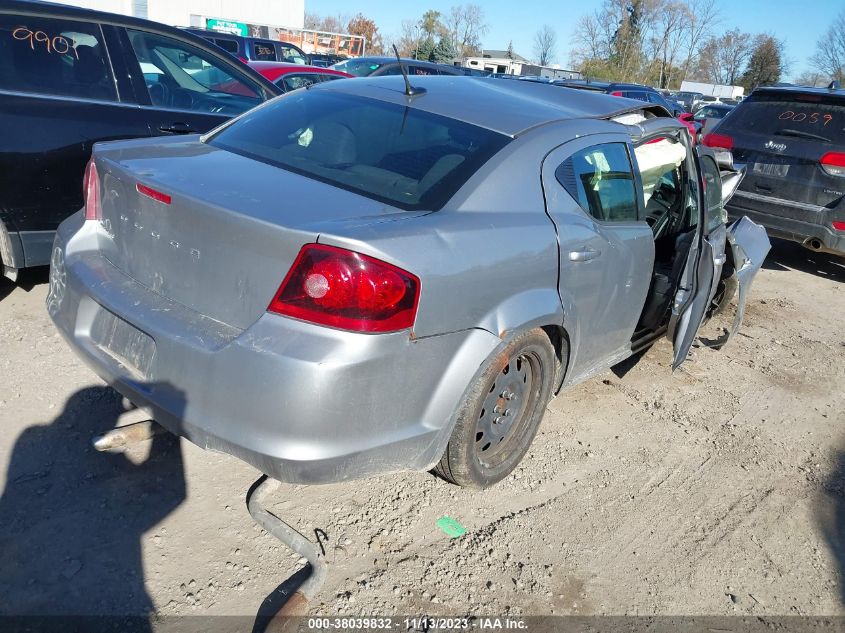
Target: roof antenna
<point x="410" y="91"/>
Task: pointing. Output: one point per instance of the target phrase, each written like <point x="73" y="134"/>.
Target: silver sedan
<point x="360" y="278"/>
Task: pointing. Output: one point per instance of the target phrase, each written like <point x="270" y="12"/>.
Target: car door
<point x="62" y="89"/>
<point x="606" y="247"/>
<point x="703" y="270"/>
<point x="186" y="89"/>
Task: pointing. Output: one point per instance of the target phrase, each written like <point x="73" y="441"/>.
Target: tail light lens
<point x="833" y="163"/>
<point x="722" y="141"/>
<point x="839" y="225"/>
<point x="347" y="290"/>
<point x="91" y="192"/>
<point x="616" y="93"/>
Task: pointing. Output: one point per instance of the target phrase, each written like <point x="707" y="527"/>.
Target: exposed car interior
<point x="671" y="206"/>
<point x="181" y="80"/>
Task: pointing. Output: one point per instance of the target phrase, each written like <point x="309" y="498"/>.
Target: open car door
<point x="749" y="244"/>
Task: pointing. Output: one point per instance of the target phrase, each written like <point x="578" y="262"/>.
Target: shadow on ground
<point x="833" y="517"/>
<point x="27" y="280"/>
<point x="787" y="255"/>
<point x="72" y="519"/>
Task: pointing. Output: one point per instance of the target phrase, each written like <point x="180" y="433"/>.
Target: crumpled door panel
<point x="749" y="245"/>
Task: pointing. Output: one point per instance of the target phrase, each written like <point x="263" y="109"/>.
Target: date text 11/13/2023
<point x="417" y="623"/>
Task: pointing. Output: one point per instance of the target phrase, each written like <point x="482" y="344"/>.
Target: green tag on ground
<point x="450" y="527"/>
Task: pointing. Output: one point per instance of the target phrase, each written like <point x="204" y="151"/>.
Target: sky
<point x="800" y="23"/>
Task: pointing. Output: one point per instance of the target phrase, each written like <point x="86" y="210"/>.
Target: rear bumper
<point x="789" y="220"/>
<point x="302" y="403"/>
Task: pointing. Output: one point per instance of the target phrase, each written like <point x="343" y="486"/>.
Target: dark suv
<point x="254" y="49"/>
<point x="380" y="66"/>
<point x="71" y="77"/>
<point x="793" y="142"/>
<point x="629" y="91"/>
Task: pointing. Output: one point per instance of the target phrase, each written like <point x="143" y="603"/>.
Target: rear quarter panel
<point x="489" y="259"/>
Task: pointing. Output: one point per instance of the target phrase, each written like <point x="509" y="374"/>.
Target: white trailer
<point x="713" y="90"/>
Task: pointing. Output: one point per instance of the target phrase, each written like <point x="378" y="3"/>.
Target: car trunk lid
<point x="212" y="230"/>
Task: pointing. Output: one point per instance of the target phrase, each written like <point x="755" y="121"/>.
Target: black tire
<point x="486" y="445"/>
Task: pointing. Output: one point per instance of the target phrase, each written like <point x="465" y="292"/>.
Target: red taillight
<point x="91" y="192"/>
<point x="347" y="290"/>
<point x="616" y="93"/>
<point x="158" y="196"/>
<point x="722" y="141"/>
<point x="833" y="163"/>
<point x="839" y="225"/>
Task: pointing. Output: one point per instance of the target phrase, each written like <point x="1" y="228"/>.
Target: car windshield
<point x="393" y="153"/>
<point x="359" y="67"/>
<point x="822" y="119"/>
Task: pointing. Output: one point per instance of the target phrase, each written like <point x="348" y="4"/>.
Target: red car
<point x="292" y="76"/>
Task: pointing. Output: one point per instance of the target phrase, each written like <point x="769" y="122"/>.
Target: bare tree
<point x="465" y="26"/>
<point x="829" y="57"/>
<point x="722" y="59"/>
<point x="545" y="45"/>
<point x="703" y="16"/>
<point x="651" y="41"/>
<point x="410" y="37"/>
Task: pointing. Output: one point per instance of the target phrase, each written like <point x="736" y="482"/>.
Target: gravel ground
<point x="719" y="490"/>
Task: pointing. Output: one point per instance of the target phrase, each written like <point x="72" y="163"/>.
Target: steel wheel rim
<point x="507" y="408"/>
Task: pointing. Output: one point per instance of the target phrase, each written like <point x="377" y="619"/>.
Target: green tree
<point x="424" y="49"/>
<point x="443" y="53"/>
<point x="765" y="66"/>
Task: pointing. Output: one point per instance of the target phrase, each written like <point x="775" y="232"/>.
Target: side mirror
<point x="685" y="116"/>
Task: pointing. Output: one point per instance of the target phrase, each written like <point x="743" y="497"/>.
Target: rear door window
<point x="290" y="54"/>
<point x="54" y="56"/>
<point x="179" y="76"/>
<point x="822" y="119"/>
<point x="389" y="152"/>
<point x="294" y="81"/>
<point x="263" y="52"/>
<point x="601" y="179"/>
<point x="230" y="46"/>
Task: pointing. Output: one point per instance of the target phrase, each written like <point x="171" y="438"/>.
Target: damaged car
<point x="371" y="276"/>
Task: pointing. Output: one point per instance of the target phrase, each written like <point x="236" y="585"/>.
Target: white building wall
<point x="290" y="13"/>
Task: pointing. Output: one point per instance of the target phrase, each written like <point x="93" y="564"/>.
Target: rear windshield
<point x="359" y="67"/>
<point x="787" y="116"/>
<point x="391" y="153"/>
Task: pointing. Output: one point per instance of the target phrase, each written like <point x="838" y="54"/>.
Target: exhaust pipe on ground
<point x="297" y="604"/>
<point x="122" y="436"/>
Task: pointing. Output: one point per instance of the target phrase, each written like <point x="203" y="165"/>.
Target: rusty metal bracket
<point x="297" y="604"/>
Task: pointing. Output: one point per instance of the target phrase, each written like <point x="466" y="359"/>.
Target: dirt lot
<point x="718" y="489"/>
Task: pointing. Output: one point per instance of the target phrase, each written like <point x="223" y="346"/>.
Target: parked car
<point x="352" y="280"/>
<point x="293" y="76"/>
<point x="380" y="66"/>
<point x="70" y="77"/>
<point x="256" y="49"/>
<point x="629" y="91"/>
<point x="689" y="100"/>
<point x="638" y="92"/>
<point x="325" y="60"/>
<point x="793" y="140"/>
<point x="708" y="116"/>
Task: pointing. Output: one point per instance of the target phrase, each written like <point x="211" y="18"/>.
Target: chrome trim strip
<point x="780" y="201"/>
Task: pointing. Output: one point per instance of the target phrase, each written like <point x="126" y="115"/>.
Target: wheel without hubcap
<point x="501" y="413"/>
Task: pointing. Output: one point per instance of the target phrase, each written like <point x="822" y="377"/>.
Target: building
<point x="289" y="13"/>
<point x="500" y="62"/>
